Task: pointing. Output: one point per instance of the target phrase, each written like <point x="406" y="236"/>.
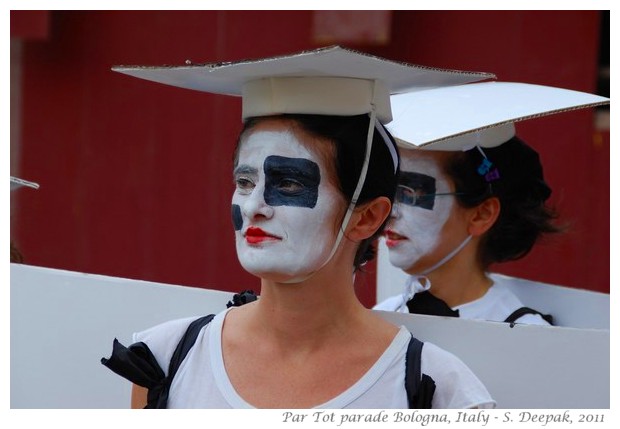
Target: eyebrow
<point x="245" y="169"/>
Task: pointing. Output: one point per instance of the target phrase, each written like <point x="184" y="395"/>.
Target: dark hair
<point x="348" y="135"/>
<point x="521" y="189"/>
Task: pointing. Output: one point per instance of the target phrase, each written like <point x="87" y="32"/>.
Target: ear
<point x="368" y="218"/>
<point x="483" y="216"/>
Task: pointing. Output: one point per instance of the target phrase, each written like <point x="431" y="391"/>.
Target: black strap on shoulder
<point x="420" y="387"/>
<point x="186" y="343"/>
<point x="518" y="313"/>
<point x="158" y="397"/>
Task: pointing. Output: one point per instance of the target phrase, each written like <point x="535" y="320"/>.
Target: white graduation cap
<point x="328" y="81"/>
<point x="477" y="114"/>
<point x="17" y="183"/>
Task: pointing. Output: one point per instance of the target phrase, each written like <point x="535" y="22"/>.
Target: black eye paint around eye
<point x="423" y="185"/>
<point x="303" y="172"/>
<point x="236" y="217"/>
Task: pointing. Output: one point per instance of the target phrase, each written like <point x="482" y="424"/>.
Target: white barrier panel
<point x="524" y="366"/>
<point x="63" y="323"/>
<point x="570" y="307"/>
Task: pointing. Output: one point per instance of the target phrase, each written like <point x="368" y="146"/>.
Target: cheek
<point x="237" y="219"/>
<point x="424" y="226"/>
<point x="420" y="223"/>
<point x="315" y="227"/>
<point x="310" y="225"/>
<point x="442" y="209"/>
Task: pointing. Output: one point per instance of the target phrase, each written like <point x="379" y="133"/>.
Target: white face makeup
<point x="415" y="230"/>
<point x="284" y="208"/>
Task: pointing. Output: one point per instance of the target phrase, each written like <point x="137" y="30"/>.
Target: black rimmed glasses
<point x="413" y="197"/>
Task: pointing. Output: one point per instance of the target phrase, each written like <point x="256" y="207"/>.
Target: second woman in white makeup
<point x="419" y="231"/>
<point x="449" y="224"/>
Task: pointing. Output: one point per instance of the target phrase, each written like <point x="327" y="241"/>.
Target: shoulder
<point x="164" y="331"/>
<point x="163" y="338"/>
<point x="456" y="385"/>
<point x="496" y="305"/>
<point x="512" y="303"/>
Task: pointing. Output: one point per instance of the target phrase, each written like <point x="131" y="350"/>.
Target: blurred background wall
<point x="135" y="177"/>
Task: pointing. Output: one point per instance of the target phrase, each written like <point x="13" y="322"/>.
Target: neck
<point x="298" y="313"/>
<point x="459" y="287"/>
<point x="461" y="279"/>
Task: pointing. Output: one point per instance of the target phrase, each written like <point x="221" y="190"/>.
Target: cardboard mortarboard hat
<point x="17" y="183"/>
<point x="330" y="81"/>
<point x="478" y="114"/>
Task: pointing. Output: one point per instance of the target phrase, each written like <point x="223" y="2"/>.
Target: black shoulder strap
<point x="526" y="310"/>
<point x="158" y="397"/>
<point x="186" y="343"/>
<point x="420" y="388"/>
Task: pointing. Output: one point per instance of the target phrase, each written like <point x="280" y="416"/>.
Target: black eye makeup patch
<point x="236" y="217"/>
<point x="291" y="181"/>
<point x="423" y="185"/>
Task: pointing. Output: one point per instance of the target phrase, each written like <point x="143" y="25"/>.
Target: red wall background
<point x="136" y="177"/>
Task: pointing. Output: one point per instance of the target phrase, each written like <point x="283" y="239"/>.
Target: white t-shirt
<point x="496" y="305"/>
<point x="202" y="381"/>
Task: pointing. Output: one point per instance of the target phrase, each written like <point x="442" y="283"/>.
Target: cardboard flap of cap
<point x="427" y="119"/>
<point x="228" y="78"/>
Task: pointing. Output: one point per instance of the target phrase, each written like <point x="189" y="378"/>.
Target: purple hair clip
<point x="486" y="169"/>
<point x="492" y="175"/>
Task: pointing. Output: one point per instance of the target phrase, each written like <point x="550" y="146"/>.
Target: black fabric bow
<point x="244" y="297"/>
<point x="137" y="364"/>
<point x="426" y="303"/>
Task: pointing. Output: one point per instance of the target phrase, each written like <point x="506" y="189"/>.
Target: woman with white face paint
<point x="448" y="226"/>
<point x="469" y="199"/>
<point x="312" y="193"/>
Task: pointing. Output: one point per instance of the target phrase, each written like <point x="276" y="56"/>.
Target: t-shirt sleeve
<point x="457" y="387"/>
<point x="162" y="339"/>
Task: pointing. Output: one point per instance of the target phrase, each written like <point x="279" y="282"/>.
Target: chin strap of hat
<point x="417" y="283"/>
<point x="372" y="125"/>
<point x="353" y="203"/>
<point x="360" y="184"/>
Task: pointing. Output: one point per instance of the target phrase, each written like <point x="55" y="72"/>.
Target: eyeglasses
<point x="414" y="197"/>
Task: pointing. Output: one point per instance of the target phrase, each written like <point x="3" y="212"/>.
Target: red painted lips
<point x="255" y="235"/>
<point x="392" y="238"/>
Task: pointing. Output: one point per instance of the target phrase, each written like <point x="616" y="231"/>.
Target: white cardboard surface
<point x="420" y="118"/>
<point x="63" y="323"/>
<point x="525" y="366"/>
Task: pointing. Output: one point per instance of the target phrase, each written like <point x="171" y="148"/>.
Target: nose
<point x="255" y="206"/>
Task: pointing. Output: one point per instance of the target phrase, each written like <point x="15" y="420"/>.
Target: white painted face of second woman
<point x="416" y="224"/>
<point x="284" y="209"/>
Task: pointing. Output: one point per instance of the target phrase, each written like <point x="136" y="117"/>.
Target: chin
<point x="404" y="263"/>
<point x="271" y="272"/>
